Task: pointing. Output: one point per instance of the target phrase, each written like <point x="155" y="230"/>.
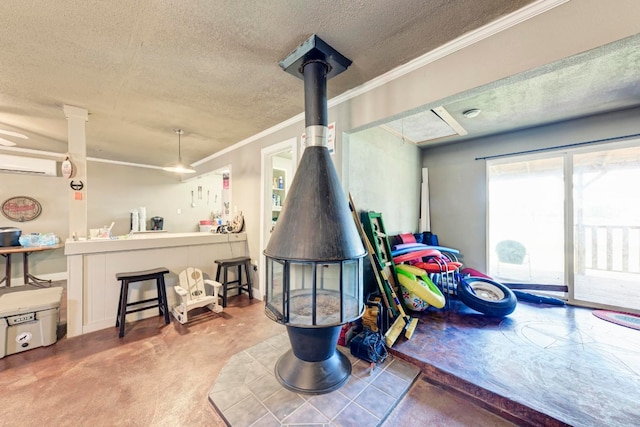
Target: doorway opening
<point x="279" y="163"/>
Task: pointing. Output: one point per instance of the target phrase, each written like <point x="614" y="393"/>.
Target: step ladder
<point x="374" y="228"/>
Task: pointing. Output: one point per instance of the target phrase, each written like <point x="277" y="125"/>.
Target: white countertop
<point x="148" y="241"/>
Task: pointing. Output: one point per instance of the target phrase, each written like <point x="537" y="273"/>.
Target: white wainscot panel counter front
<point x="92" y="288"/>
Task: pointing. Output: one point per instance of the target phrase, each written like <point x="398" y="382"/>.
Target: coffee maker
<point x="156" y="222"/>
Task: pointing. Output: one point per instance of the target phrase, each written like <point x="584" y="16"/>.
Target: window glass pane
<point x="301" y="276"/>
<point x="275" y="285"/>
<point x="607" y="227"/>
<point x="274" y="280"/>
<point x="526" y="221"/>
<point x="352" y="294"/>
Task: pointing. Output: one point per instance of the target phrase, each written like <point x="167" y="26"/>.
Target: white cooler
<point x="29" y="319"/>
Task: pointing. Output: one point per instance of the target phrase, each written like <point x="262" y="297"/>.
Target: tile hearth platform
<point x="246" y="393"/>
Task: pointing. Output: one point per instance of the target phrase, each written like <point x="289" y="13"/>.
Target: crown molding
<point x="527" y="12"/>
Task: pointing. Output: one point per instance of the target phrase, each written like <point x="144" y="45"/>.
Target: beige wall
<point x="51" y="192"/>
<point x="113" y="190"/>
<point x="457" y="182"/>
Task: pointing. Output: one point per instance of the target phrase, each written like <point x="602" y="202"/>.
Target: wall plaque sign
<point x="76" y="185"/>
<point x="21" y="208"/>
<point x="67" y="168"/>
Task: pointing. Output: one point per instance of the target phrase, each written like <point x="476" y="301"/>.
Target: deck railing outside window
<point x="607" y="247"/>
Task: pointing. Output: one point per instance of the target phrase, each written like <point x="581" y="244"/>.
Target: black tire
<point x="486" y="296"/>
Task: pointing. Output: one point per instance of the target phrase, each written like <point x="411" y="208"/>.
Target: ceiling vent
<point x="426" y="127"/>
<point x="27" y="165"/>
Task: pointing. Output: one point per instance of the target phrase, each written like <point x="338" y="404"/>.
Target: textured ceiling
<point x="597" y="81"/>
<point x="143" y="68"/>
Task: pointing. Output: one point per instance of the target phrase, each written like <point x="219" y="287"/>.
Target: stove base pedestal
<point x="312" y="377"/>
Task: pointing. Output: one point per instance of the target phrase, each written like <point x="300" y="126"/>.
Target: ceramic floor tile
<point x="355" y="416"/>
<point x="306" y="414"/>
<point x="330" y="404"/>
<point x="292" y="409"/>
<point x="264" y="387"/>
<point x="353" y="387"/>
<point x="282" y="403"/>
<point x="230" y="396"/>
<point x="376" y="401"/>
<point x="391" y="384"/>
<point x="362" y="370"/>
<point x="255" y="370"/>
<point x="245" y="413"/>
<point x="402" y="369"/>
<point x="268" y="420"/>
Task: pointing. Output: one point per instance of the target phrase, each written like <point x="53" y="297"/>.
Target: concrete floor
<point x="160" y="375"/>
<point x="541" y="365"/>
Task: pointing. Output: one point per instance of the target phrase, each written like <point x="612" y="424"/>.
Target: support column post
<point x="76" y="119"/>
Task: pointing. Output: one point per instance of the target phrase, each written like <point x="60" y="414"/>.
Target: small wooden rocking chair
<point x="192" y="294"/>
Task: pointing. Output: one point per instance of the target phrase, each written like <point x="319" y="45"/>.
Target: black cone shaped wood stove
<point x="314" y="256"/>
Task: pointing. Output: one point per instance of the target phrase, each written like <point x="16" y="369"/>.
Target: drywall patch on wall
<point x="384" y="176"/>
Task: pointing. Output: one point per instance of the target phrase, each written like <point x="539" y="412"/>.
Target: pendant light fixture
<point x="179" y="167"/>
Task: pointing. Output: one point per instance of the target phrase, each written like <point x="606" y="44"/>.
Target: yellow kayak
<point x="416" y="281"/>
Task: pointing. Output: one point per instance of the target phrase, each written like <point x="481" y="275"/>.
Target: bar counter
<point x="92" y="265"/>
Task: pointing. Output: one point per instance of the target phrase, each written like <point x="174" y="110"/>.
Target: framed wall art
<point x="21" y="208"/>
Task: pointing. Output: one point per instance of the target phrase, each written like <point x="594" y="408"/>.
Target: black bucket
<point x="10" y="236"/>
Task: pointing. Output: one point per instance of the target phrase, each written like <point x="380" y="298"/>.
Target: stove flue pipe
<point x="315" y="62"/>
<point x="314" y="255"/>
<point x="315" y="102"/>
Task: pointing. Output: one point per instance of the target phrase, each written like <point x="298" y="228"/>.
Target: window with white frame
<point x="529" y="224"/>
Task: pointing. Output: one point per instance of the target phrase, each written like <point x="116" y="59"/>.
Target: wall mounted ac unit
<point x="27" y="165"/>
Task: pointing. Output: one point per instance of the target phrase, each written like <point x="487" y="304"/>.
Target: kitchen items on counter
<point x="157" y="223"/>
<point x="138" y="219"/>
<point x="207" y="226"/>
<point x="142" y="218"/>
<point x="235" y="226"/>
<point x="101" y="233"/>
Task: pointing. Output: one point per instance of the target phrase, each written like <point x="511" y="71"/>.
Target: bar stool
<point x="223" y="267"/>
<point x="156" y="274"/>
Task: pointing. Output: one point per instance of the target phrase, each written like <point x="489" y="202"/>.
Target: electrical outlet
<point x="178" y="211"/>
